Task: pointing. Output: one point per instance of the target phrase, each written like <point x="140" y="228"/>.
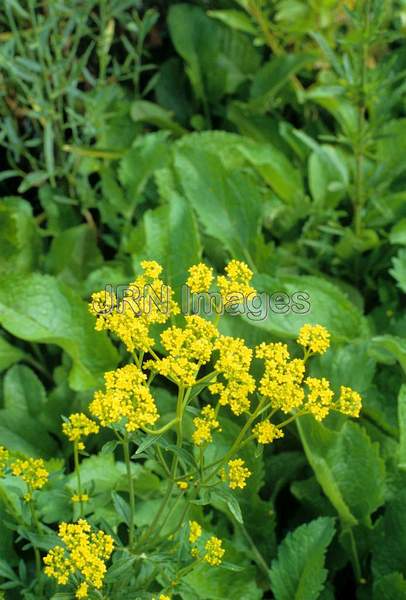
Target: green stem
<point x="126" y="450"/>
<point x="77" y="472"/>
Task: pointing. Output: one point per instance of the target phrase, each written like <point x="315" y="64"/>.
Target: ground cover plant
<point x="202" y="280"/>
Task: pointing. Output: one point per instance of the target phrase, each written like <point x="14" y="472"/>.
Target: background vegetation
<point x="269" y="131"/>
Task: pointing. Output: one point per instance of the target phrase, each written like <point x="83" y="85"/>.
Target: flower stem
<point x="77" y="471"/>
<point x="126" y="450"/>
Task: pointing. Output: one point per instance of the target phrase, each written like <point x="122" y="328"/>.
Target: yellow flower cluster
<point x="195" y="531"/>
<point x="148" y="300"/>
<point x="33" y="472"/>
<point x="84" y="554"/>
<point x="214" y="551"/>
<point x="235" y="285"/>
<point x="77" y="427"/>
<point x="233" y="366"/>
<point x="204" y="425"/>
<point x="200" y="278"/>
<point x="187" y="349"/>
<point x="349" y="402"/>
<point x="320" y="397"/>
<point x="237" y="473"/>
<point x="126" y="396"/>
<point x="314" y="338"/>
<point x="282" y="378"/>
<point x="3" y="460"/>
<point x="266" y="432"/>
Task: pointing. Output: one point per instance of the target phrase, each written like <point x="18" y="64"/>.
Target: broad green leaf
<point x="388" y="349"/>
<point x="276" y="169"/>
<point x="228" y="204"/>
<point x="328" y="175"/>
<point x="390" y="557"/>
<point x="25" y="434"/>
<point x="348" y="467"/>
<point x="23" y="391"/>
<point x="9" y="354"/>
<point x="402" y="426"/>
<point x="298" y="571"/>
<point x="218" y="59"/>
<point x="236" y="19"/>
<point x="390" y="587"/>
<point x="289" y="302"/>
<point x="38" y="308"/>
<point x="169" y="234"/>
<point x="74" y="255"/>
<point x="398" y="271"/>
<point x="20" y="244"/>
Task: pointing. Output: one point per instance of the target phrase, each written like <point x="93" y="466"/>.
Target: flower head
<point x="127" y="397"/>
<point x="200" y="278"/>
<point x="237" y="473"/>
<point x="235" y="285"/>
<point x="84" y="553"/>
<point x="4" y="455"/>
<point x="214" y="551"/>
<point x="314" y="338"/>
<point x="204" y="425"/>
<point x="33" y="472"/>
<point x="320" y="397"/>
<point x="266" y="432"/>
<point x="79" y="426"/>
<point x="195" y="531"/>
<point x="349" y="402"/>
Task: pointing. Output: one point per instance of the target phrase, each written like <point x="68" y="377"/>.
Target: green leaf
<point x="348" y="467"/>
<point x="236" y="19"/>
<point x="20" y="243"/>
<point x="402" y="426"/>
<point x="9" y="354"/>
<point x="390" y="587"/>
<point x="388" y="349"/>
<point x="148" y="112"/>
<point x="218" y="59"/>
<point x="399" y="269"/>
<point x="228" y="204"/>
<point x="38" y="308"/>
<point x="25" y="434"/>
<point x="23" y="391"/>
<point x="298" y="571"/>
<point x="74" y="255"/>
<point x="169" y="234"/>
<point x="398" y="233"/>
<point x="387" y="558"/>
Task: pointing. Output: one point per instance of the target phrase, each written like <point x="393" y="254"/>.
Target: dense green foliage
<point x="270" y="131"/>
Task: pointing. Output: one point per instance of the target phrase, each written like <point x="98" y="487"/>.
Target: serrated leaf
<point x="348" y="467"/>
<point x="390" y="587"/>
<point x="298" y="571"/>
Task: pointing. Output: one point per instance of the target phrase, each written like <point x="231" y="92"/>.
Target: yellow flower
<point x="3" y="460"/>
<point x="80" y="498"/>
<point x="349" y="402"/>
<point x="266" y="432"/>
<point x="314" y="338"/>
<point x="182" y="485"/>
<point x="148" y="300"/>
<point x="204" y="425"/>
<point x="233" y="366"/>
<point x="214" y="551"/>
<point x="33" y="472"/>
<point x="320" y="397"/>
<point x="235" y="285"/>
<point x="282" y="378"/>
<point x="127" y="397"/>
<point x="200" y="278"/>
<point x="187" y="349"/>
<point x="195" y="531"/>
<point x="84" y="554"/>
<point x="82" y="591"/>
<point x="78" y="426"/>
<point x="237" y="473"/>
